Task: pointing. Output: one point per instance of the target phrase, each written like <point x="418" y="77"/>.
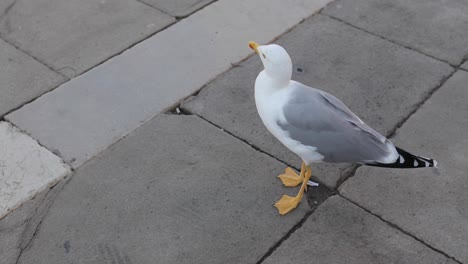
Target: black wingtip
<point x="407" y="160"/>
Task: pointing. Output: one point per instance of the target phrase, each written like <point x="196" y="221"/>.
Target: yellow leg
<point x="290" y="178"/>
<point x="287" y="203"/>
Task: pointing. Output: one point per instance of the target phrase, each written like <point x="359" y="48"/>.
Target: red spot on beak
<point x="253" y="46"/>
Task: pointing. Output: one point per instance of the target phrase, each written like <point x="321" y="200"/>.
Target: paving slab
<point x="341" y="232"/>
<point x="176" y="190"/>
<point x="22" y="78"/>
<point x="26" y="168"/>
<point x="380" y="81"/>
<point x="91" y="112"/>
<point x="73" y="36"/>
<point x="437" y="28"/>
<point x="178" y="8"/>
<point x="428" y="205"/>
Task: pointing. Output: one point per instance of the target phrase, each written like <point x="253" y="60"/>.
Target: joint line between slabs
<point x="394" y="226"/>
<point x="387" y="39"/>
<point x="428" y="96"/>
<point x="403" y="121"/>
<point x="154" y="7"/>
<point x="36" y="59"/>
<point x="244" y="141"/>
<point x="32" y="100"/>
<point x="418" y="106"/>
<point x="24" y="132"/>
<point x="297" y="226"/>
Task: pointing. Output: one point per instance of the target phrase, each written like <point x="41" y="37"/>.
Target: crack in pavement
<point x="7" y="10"/>
<point x="34" y="221"/>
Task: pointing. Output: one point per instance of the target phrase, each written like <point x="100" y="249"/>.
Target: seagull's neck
<point x="269" y="83"/>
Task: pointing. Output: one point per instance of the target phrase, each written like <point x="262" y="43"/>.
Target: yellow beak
<point x="253" y="46"/>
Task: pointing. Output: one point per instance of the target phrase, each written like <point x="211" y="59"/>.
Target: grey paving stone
<point x="178" y="8"/>
<point x="428" y="205"/>
<point x="177" y="190"/>
<point x="341" y="232"/>
<point x="73" y="36"/>
<point x="91" y="112"/>
<point x="438" y="28"/>
<point x="381" y="82"/>
<point x="22" y="78"/>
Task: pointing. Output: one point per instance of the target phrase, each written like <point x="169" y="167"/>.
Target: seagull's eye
<point x="264" y="56"/>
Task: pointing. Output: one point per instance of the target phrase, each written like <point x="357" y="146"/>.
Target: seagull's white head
<point x="276" y="60"/>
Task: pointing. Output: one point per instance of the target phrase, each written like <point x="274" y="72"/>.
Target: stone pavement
<point x="146" y="147"/>
<point x="88" y="114"/>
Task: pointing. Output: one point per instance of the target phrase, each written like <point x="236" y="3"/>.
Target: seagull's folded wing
<point x="315" y="118"/>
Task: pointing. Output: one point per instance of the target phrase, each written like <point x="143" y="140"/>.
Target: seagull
<point x="317" y="126"/>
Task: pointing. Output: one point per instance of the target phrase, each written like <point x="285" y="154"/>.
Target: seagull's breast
<point x="270" y="102"/>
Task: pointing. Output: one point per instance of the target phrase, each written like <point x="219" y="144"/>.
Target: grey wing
<point x="318" y="119"/>
<point x="350" y="116"/>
